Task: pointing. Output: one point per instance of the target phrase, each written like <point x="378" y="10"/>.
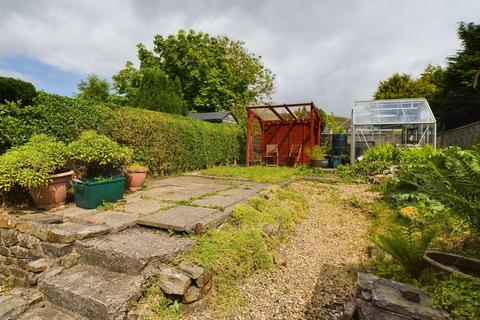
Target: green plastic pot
<point x="89" y="194"/>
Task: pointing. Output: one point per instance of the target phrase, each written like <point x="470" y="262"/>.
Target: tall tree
<point x="215" y="73"/>
<point x="459" y="101"/>
<point x="93" y="88"/>
<point x="158" y="92"/>
<point x="404" y="86"/>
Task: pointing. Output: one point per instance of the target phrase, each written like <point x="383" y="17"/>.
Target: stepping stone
<point x="68" y="232"/>
<point x="115" y="220"/>
<point x="93" y="292"/>
<point x="226" y="198"/>
<point x="182" y="218"/>
<point x="143" y="207"/>
<point x="132" y="251"/>
<point x="74" y="212"/>
<point x="49" y="312"/>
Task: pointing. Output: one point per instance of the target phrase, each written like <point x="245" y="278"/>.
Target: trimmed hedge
<point x="171" y="143"/>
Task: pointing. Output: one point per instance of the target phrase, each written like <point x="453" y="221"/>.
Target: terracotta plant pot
<point x="316" y="163"/>
<point x="135" y="178"/>
<point x="55" y="193"/>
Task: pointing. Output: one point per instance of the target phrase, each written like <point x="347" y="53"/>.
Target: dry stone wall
<point x="463" y="137"/>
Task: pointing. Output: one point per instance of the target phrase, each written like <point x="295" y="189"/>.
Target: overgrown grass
<point x="239" y="249"/>
<point x="263" y="173"/>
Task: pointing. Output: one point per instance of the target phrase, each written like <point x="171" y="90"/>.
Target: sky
<point x="331" y="52"/>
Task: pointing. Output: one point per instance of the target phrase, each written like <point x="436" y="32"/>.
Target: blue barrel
<point x="339" y="144"/>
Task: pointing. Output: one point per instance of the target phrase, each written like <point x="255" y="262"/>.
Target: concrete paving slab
<point x="143" y="207"/>
<point x="133" y="251"/>
<point x="181" y="218"/>
<point x="68" y="232"/>
<point x="114" y="220"/>
<point x="226" y="198"/>
<point x="49" y="312"/>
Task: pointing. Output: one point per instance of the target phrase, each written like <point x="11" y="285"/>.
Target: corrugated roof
<point x="210" y="115"/>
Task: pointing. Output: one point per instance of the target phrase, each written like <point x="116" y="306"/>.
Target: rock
<point x="134" y="315"/>
<point x="68" y="232"/>
<point x="192" y="294"/>
<point x="192" y="270"/>
<point x="9" y="237"/>
<point x="7" y="221"/>
<point x="172" y="281"/>
<point x="22" y="253"/>
<point x="366" y="295"/>
<point x="280" y="259"/>
<point x="37" y="224"/>
<point x="410" y="295"/>
<point x="4" y="251"/>
<point x="30" y="242"/>
<point x="195" y="307"/>
<point x="206" y="288"/>
<point x="372" y="251"/>
<point x="56" y="250"/>
<point x="70" y="260"/>
<point x="273" y="230"/>
<point x="11" y="306"/>
<point x="33" y="297"/>
<point x="37" y="266"/>
<point x="204" y="278"/>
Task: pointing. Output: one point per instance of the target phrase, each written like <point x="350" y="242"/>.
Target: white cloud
<point x="331" y="52"/>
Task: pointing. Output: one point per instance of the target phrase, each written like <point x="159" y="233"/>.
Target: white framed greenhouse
<point x="401" y="122"/>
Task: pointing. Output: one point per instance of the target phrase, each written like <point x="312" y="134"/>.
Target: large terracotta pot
<point x="316" y="163"/>
<point x="55" y="193"/>
<point x="135" y="178"/>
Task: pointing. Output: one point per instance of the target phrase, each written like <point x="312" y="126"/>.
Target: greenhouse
<point x="401" y="122"/>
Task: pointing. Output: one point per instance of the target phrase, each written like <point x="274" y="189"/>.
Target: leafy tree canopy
<point x="404" y="86"/>
<point x="12" y="90"/>
<point x="93" y="88"/>
<point x="215" y="72"/>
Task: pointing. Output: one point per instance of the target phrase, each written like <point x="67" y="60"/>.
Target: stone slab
<point x="227" y="198"/>
<point x="181" y="218"/>
<point x="92" y="292"/>
<point x="68" y="232"/>
<point x="11" y="306"/>
<point x="116" y="221"/>
<point x="133" y="251"/>
<point x="143" y="207"/>
<point x="49" y="312"/>
<point x="74" y="212"/>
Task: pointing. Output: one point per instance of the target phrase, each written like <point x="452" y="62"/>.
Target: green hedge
<point x="170" y="143"/>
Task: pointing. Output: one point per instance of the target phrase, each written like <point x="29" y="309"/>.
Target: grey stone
<point x="32" y="278"/>
<point x="172" y="281"/>
<point x="144" y="207"/>
<point x="7" y="221"/>
<point x="195" y="307"/>
<point x="227" y="198"/>
<point x="114" y="220"/>
<point x="181" y="218"/>
<point x="367" y="311"/>
<point x="68" y="232"/>
<point x="192" y="270"/>
<point x="205" y="278"/>
<point x="70" y="260"/>
<point x="49" y="312"/>
<point x="410" y="295"/>
<point x="30" y="242"/>
<point x="37" y="265"/>
<point x="23" y="253"/>
<point x="56" y="250"/>
<point x="37" y="224"/>
<point x="33" y="297"/>
<point x="11" y="306"/>
<point x="9" y="237"/>
<point x="133" y="251"/>
<point x="92" y="292"/>
<point x="134" y="315"/>
<point x="192" y="294"/>
<point x="4" y="251"/>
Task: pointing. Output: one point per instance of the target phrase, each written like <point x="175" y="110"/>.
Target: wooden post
<point x="249" y="120"/>
<point x="312" y="123"/>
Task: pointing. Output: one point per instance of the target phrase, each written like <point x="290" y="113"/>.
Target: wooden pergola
<point x="287" y="132"/>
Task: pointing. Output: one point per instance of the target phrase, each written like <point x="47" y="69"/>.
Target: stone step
<point x="49" y="312"/>
<point x="133" y="251"/>
<point x="91" y="292"/>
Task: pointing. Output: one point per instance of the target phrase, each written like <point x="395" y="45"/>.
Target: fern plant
<point x="407" y="246"/>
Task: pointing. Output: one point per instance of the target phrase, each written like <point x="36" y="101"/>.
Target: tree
<point x="404" y="86"/>
<point x="93" y="88"/>
<point x="215" y="73"/>
<point x="458" y="100"/>
<point x="157" y="92"/>
<point x="12" y="90"/>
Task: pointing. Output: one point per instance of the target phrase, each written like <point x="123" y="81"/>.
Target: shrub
<point x="94" y="155"/>
<point x="31" y="165"/>
<point x="172" y="143"/>
<point x="12" y="90"/>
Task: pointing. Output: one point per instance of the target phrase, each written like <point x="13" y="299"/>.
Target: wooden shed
<point x="285" y="133"/>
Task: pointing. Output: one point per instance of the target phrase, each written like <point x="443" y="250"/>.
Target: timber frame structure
<point x="288" y="132"/>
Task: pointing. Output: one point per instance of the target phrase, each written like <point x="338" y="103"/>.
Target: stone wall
<point x="463" y="137"/>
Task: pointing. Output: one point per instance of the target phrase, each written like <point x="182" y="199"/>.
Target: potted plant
<point x="135" y="175"/>
<point x="40" y="167"/>
<point x="97" y="160"/>
<point x="317" y="156"/>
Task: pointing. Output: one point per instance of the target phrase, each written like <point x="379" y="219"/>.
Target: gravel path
<point x="322" y="257"/>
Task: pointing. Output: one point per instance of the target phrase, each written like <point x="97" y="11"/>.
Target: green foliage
<point x="94" y="89"/>
<point x="404" y="86"/>
<point x="60" y="117"/>
<point x="459" y="296"/>
<point x="170" y="143"/>
<point x="13" y="90"/>
<point x="31" y="165"/>
<point x="94" y="155"/>
<point x="407" y="246"/>
<point x="318" y="153"/>
<point x="157" y="92"/>
<point x="262" y="173"/>
<point x="215" y="72"/>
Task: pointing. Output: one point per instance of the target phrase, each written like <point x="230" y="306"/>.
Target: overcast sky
<point x="329" y="52"/>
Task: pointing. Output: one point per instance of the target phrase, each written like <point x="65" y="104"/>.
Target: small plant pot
<point x="55" y="193"/>
<point x="316" y="163"/>
<point x="89" y="194"/>
<point x="447" y="263"/>
<point x="325" y="163"/>
<point x="135" y="178"/>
